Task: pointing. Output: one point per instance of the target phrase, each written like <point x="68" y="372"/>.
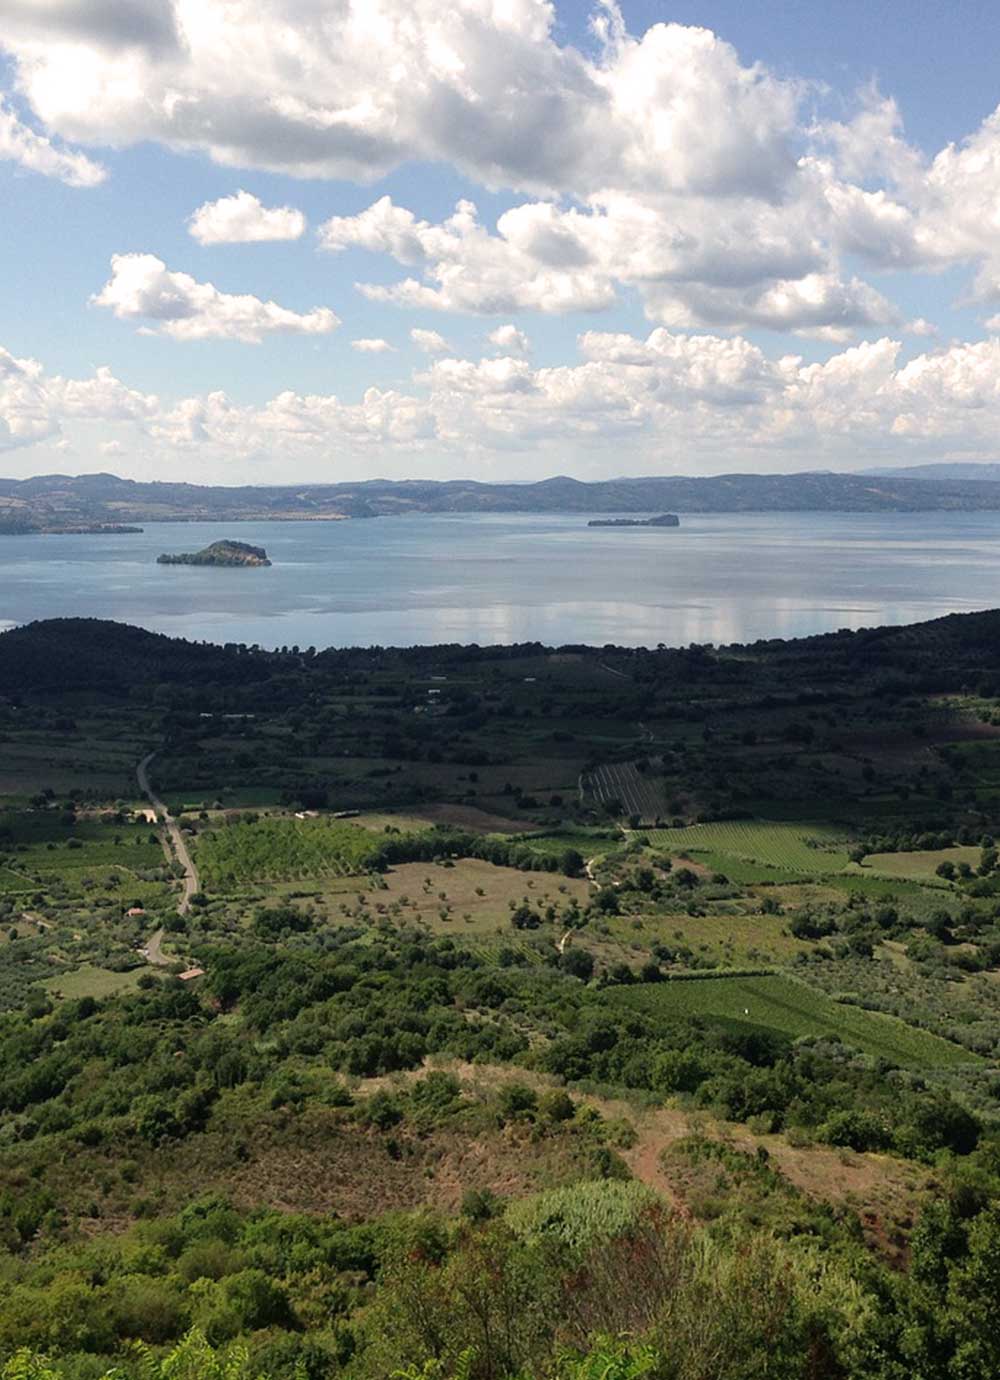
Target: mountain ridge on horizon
<point x="957" y="471"/>
<point x="54" y="503"/>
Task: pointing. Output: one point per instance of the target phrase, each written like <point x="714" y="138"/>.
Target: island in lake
<point x="219" y="553"/>
<point x="664" y="520"/>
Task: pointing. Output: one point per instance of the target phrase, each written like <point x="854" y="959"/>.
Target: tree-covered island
<point x="664" y="520"/>
<point x="219" y="553"/>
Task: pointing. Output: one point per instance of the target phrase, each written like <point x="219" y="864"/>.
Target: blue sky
<point x="711" y="236"/>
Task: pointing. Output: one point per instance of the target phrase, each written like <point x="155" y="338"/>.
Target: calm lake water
<point x="464" y="578"/>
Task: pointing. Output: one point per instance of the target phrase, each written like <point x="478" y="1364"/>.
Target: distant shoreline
<point x="104" y="503"/>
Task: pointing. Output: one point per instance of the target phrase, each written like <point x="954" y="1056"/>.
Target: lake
<point x="490" y="579"/>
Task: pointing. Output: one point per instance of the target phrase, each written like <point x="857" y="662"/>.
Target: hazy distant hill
<point x="58" y="502"/>
<point x="946" y="470"/>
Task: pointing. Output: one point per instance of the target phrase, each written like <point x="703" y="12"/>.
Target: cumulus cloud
<point x="510" y="340"/>
<point x="34" y="404"/>
<point x="242" y="219"/>
<point x="759" y="267"/>
<point x="303" y="90"/>
<point x="929" y="213"/>
<point x="464" y="267"/>
<point x="36" y="153"/>
<point x="716" y="401"/>
<point x="372" y="346"/>
<point x="429" y="341"/>
<point x="662" y="162"/>
<point x="142" y="288"/>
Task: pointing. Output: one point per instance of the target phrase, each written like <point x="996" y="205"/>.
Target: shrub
<point x="583" y="1213"/>
<point x="517" y="1101"/>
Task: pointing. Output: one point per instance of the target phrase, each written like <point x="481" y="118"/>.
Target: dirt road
<point x="153" y="951"/>
<point x="174" y="833"/>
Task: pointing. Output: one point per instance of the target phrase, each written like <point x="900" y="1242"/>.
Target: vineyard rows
<point x="793" y="848"/>
<point x="636" y="792"/>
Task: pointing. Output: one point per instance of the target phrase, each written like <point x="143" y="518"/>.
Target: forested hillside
<point x="499" y="1013"/>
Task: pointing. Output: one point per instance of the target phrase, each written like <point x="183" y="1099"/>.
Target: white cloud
<point x="510" y="340"/>
<point x="303" y="89"/>
<point x="693" y="403"/>
<point x="25" y="414"/>
<point x="930" y="213"/>
<point x="662" y="163"/>
<point x="371" y="346"/>
<point x="662" y="169"/>
<point x="142" y="288"/>
<point x="36" y="153"/>
<point x="34" y="404"/>
<point x="760" y="266"/>
<point x="468" y="269"/>
<point x="242" y="219"/>
<point x="429" y="341"/>
<point x="817" y="304"/>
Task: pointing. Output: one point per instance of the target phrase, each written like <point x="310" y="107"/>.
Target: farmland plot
<point x="791" y="848"/>
<point x="637" y="793"/>
<point x="778" y="1003"/>
<point x="921" y="866"/>
<point x="276" y="849"/>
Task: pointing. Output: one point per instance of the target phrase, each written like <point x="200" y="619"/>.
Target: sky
<point x="265" y="241"/>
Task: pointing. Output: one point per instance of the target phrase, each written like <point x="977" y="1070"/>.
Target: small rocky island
<point x="664" y="520"/>
<point x="219" y="553"/>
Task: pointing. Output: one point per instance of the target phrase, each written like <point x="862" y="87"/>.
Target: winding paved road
<point x="173" y="830"/>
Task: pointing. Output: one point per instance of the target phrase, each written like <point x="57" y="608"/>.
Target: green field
<point x="743" y="871"/>
<point x="43" y="854"/>
<point x="276" y="849"/>
<point x="90" y="981"/>
<point x="781" y="1004"/>
<point x="42" y="842"/>
<point x="587" y="842"/>
<point x="920" y="866"/>
<point x="813" y="848"/>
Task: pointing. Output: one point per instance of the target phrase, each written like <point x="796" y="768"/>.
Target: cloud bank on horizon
<point x="769" y="260"/>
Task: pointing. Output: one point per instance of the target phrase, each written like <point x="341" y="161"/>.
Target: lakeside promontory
<point x="664" y="520"/>
<point x="219" y="553"/>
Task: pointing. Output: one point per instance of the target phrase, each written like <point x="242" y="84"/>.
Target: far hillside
<point x="60" y="503"/>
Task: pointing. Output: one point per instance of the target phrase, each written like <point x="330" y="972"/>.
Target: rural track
<point x="152" y="951"/>
<point x="172" y="828"/>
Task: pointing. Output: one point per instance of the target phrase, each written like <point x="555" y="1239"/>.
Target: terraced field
<point x="787" y="847"/>
<point x="781" y="1004"/>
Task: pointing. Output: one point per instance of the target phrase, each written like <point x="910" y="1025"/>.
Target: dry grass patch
<point x="443" y="897"/>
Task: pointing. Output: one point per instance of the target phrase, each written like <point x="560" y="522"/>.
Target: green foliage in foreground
<point x="629" y="1293"/>
<point x="192" y="1359"/>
